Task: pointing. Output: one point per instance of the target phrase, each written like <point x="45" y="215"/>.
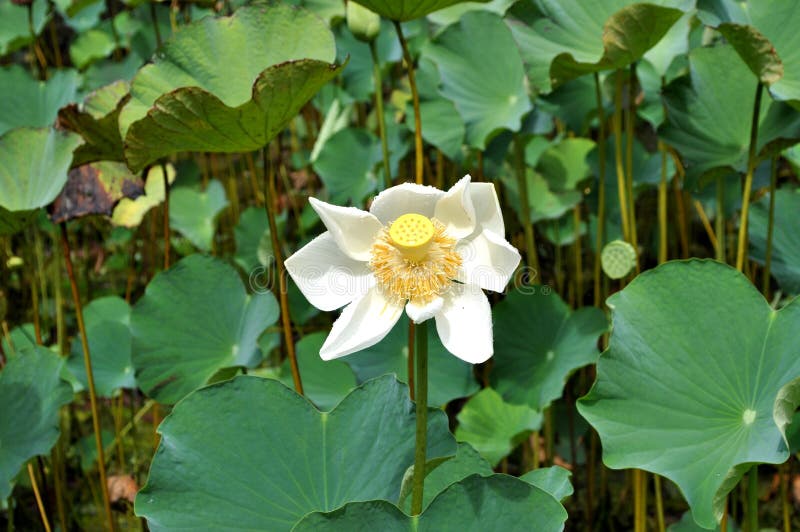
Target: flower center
<point x="414" y="260"/>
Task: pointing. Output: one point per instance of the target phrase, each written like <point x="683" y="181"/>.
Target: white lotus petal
<point x="403" y="199"/>
<point x="327" y="277"/>
<point x="465" y="323"/>
<point x="487" y="208"/>
<point x="364" y="322"/>
<point x="420" y="313"/>
<point x="353" y="230"/>
<point x="455" y="209"/>
<point x="489" y="261"/>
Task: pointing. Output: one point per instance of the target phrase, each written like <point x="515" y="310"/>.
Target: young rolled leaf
<point x="408" y="9"/>
<point x="227" y="84"/>
<point x="699" y="380"/>
<point x="31" y="392"/>
<point x="574" y="37"/>
<point x="268" y="457"/>
<point x="195" y="319"/>
<point x="498" y="502"/>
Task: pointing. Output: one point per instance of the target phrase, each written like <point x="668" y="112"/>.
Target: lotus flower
<point x="418" y="247"/>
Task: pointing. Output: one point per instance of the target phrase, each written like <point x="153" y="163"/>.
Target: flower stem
<point x="87" y="361"/>
<point x="773" y="181"/>
<point x="662" y="208"/>
<point x="525" y="209"/>
<point x="166" y="215"/>
<point x="422" y="417"/>
<point x="720" y="221"/>
<point x="622" y="186"/>
<point x="601" y="188"/>
<point x="38" y="496"/>
<point x="630" y="119"/>
<point x="748" y="180"/>
<point x="659" y="503"/>
<point x="286" y="321"/>
<point x="410" y="363"/>
<point x="412" y="81"/>
<point x="376" y="73"/>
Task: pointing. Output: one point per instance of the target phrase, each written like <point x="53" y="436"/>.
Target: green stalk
<point x="659" y="503"/>
<point x="622" y="185"/>
<point x="422" y="417"/>
<point x="752" y="499"/>
<point x="720" y="221"/>
<point x="773" y="181"/>
<point x="741" y="250"/>
<point x="630" y="118"/>
<point x="525" y="210"/>
<point x="787" y="519"/>
<point x="662" y="208"/>
<point x="376" y="73"/>
<point x="38" y="496"/>
<point x="412" y="81"/>
<point x="601" y="188"/>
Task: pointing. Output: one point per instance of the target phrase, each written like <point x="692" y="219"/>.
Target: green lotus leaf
<point x="95" y="188"/>
<point x="493" y="427"/>
<point x="28" y="102"/>
<point x="14" y="30"/>
<point x="498" y="502"/>
<point x="763" y="33"/>
<point x="32" y="393"/>
<point x="448" y="377"/>
<point x="193" y="213"/>
<point x="482" y="74"/>
<point x="785" y="263"/>
<point x="227" y="84"/>
<point x="574" y="38"/>
<point x="325" y="383"/>
<point x="408" y="9"/>
<point x="195" y="319"/>
<point x="33" y="166"/>
<point x="253" y="241"/>
<point x="698" y="382"/>
<point x="251" y="453"/>
<point x="346" y="164"/>
<point x="96" y="119"/>
<point x="452" y="14"/>
<point x="442" y="126"/>
<point x="705" y="122"/>
<point x="108" y="330"/>
<point x="130" y="212"/>
<point x="554" y="480"/>
<point x="532" y="364"/>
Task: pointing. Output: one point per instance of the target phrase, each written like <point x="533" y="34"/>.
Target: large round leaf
<point x="408" y="9"/>
<point x="252" y="454"/>
<point x="28" y="102"/>
<point x="195" y="319"/>
<point x="33" y="166"/>
<point x="346" y="164"/>
<point x="193" y="213"/>
<point x="533" y="361"/>
<point x="31" y="392"/>
<point x="448" y="377"/>
<point x="477" y="503"/>
<point x="227" y="84"/>
<point x="705" y="118"/>
<point x="785" y="264"/>
<point x="494" y="428"/>
<point x="575" y="37"/>
<point x="108" y="329"/>
<point x="482" y="74"/>
<point x="698" y="381"/>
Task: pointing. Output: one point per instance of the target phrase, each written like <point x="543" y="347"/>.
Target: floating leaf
<point x="574" y="38"/>
<point x="250" y="453"/>
<point x="408" y="9"/>
<point x="227" y="84"/>
<point x="95" y="188"/>
<point x="33" y="166"/>
<point x="785" y="264"/>
<point x="130" y="212"/>
<point x="195" y="319"/>
<point x="448" y="377"/>
<point x="28" y="102"/>
<point x="108" y="330"/>
<point x="193" y="213"/>
<point x="494" y="427"/>
<point x="482" y="74"/>
<point x="698" y="382"/>
<point x="498" y="502"/>
<point x="705" y="122"/>
<point x="96" y="120"/>
<point x="31" y="392"/>
<point x="532" y="363"/>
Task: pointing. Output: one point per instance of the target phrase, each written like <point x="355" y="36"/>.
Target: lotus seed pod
<point x="362" y="22"/>
<point x="618" y="259"/>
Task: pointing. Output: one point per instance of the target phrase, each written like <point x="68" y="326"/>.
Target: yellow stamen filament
<point x="414" y="259"/>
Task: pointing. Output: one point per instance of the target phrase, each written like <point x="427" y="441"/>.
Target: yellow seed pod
<point x="362" y="23"/>
<point x="412" y="234"/>
<point x="618" y="259"/>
